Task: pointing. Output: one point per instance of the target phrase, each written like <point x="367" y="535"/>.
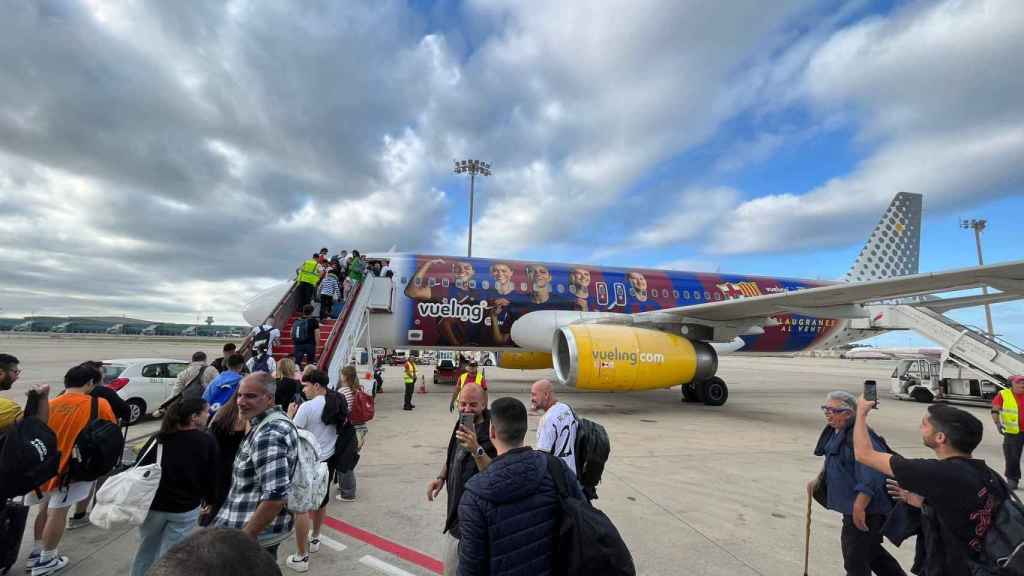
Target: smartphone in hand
<point x="871" y="391"/>
<point x="466" y="420"/>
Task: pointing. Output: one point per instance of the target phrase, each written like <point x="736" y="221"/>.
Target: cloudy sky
<point x="169" y="159"/>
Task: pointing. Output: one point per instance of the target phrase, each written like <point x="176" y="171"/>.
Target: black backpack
<point x="28" y="457"/>
<point x="586" y="541"/>
<point x="335" y="409"/>
<point x="592" y="449"/>
<point x="98" y="448"/>
<point x="300" y="331"/>
<point x="1003" y="551"/>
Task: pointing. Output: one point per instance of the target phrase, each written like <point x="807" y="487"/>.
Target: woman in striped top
<point x="347" y="474"/>
<point x="330" y="290"/>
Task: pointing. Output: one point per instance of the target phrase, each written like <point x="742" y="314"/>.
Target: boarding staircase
<point x="965" y="345"/>
<point x="339" y="338"/>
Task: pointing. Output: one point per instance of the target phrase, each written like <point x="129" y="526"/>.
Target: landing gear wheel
<point x="138" y="410"/>
<point x="714" y="391"/>
<point x="690" y="393"/>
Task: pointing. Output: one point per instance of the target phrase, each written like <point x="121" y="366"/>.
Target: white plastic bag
<point x="125" y="498"/>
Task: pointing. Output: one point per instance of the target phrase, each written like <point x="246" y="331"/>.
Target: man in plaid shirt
<point x="263" y="467"/>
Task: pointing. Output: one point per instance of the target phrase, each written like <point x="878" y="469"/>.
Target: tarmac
<point x="692" y="489"/>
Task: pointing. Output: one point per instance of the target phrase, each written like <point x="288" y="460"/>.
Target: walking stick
<point x="807" y="535"/>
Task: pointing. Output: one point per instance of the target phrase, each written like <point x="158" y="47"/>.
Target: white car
<point x="144" y="383"/>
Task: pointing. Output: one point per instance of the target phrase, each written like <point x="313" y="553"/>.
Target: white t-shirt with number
<point x="557" y="434"/>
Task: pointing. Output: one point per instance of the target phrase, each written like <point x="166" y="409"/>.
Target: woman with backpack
<point x="321" y="414"/>
<point x="350" y="440"/>
<point x="188" y="459"/>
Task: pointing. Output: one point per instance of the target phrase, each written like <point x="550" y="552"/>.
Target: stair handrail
<point x="339" y="326"/>
<point x="977" y="331"/>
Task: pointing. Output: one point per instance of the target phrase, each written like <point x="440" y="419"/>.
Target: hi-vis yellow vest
<point x="308" y="273"/>
<point x="465" y="376"/>
<point x="1010" y="414"/>
<point x="410" y="375"/>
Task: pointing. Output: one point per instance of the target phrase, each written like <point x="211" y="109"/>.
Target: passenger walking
<point x="69" y="414"/>
<point x="409" y="377"/>
<point x="1006" y="414"/>
<point x="306" y="278"/>
<point x="509" y="511"/>
<point x="356" y="268"/>
<point x="956" y="492"/>
<point x="319" y="415"/>
<point x="263" y="468"/>
<point x="330" y="291"/>
<point x="188" y="460"/>
<point x="228" y="429"/>
<point x="196" y="377"/>
<point x="224" y="385"/>
<point x="351" y="438"/>
<point x="305" y="335"/>
<point x="557" y="430"/>
<point x="854" y="490"/>
<point x="220" y="363"/>
<point x="469" y="452"/>
<point x="288" y="387"/>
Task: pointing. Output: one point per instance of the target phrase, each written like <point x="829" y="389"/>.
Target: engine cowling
<point x="610" y="357"/>
<point x="525" y="360"/>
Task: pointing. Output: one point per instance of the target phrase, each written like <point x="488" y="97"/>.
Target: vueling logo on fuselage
<point x="451" y="308"/>
<point x="633" y="357"/>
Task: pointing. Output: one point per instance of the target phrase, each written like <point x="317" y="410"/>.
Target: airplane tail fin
<point x="894" y="246"/>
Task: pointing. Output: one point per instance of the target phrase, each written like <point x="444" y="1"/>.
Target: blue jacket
<point x="220" y="390"/>
<point x="846" y="478"/>
<point x="507" y="516"/>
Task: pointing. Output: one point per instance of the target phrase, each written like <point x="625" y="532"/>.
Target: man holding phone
<point x="469" y="451"/>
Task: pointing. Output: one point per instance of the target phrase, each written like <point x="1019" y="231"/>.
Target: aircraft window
<point x="485" y="284"/>
<point x="445" y="283"/>
<point x="522" y="286"/>
<point x="561" y="288"/>
<point x="431" y="282"/>
<point x="472" y="283"/>
<point x="707" y="295"/>
<point x="686" y="294"/>
<point x="718" y="295"/>
<point x="602" y="293"/>
<point x="458" y="283"/>
<point x="418" y="282"/>
<point x="675" y="294"/>
<point x="402" y="279"/>
<point x="620" y="294"/>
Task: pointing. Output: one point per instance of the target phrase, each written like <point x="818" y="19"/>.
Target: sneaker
<point x="75" y="522"/>
<point x="346" y="498"/>
<point x="295" y="562"/>
<point x="314" y="545"/>
<point x="32" y="559"/>
<point x="1011" y="484"/>
<point x="56" y="564"/>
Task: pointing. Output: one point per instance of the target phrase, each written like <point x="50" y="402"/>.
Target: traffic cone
<point x="423" y="385"/>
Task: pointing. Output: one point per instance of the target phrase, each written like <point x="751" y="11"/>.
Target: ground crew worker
<point x="1006" y="414"/>
<point x="307" y="277"/>
<point x="410" y="382"/>
<point x="470" y="375"/>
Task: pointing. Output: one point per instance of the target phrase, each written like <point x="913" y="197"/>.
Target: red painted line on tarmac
<point x="405" y="553"/>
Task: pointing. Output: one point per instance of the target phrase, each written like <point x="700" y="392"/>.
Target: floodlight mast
<point x="472" y="167"/>
<point x="978" y="226"/>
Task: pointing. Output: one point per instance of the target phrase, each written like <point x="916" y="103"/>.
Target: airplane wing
<point x="843" y="300"/>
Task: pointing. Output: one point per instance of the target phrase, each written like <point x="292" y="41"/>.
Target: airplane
<point x="616" y="329"/>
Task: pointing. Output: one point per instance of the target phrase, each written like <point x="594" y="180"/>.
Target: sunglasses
<point x="828" y="410"/>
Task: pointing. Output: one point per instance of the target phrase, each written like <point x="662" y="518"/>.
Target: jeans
<point x="1012" y="445"/>
<point x="158" y="533"/>
<point x="863" y="552"/>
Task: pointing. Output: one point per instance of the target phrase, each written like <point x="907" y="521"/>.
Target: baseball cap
<point x="1016" y="378"/>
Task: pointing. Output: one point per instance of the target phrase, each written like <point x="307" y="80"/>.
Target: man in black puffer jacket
<point x="508" y="513"/>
